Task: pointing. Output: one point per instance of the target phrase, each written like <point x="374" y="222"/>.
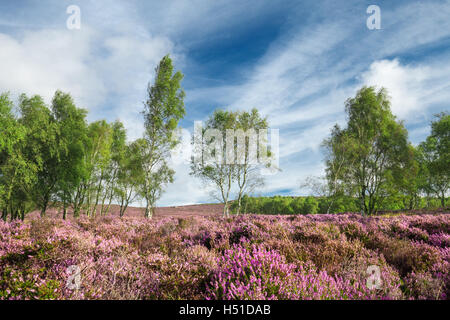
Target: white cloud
<point x="413" y="89"/>
<point x="300" y="83"/>
<point x="404" y="84"/>
<point x="130" y="61"/>
<point x="185" y="189"/>
<point x="126" y="71"/>
<point x="43" y="61"/>
<point x="40" y="62"/>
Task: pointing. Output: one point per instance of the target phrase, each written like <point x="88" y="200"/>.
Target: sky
<point x="295" y="61"/>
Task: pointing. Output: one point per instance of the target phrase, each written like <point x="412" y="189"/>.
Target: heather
<point x="241" y="257"/>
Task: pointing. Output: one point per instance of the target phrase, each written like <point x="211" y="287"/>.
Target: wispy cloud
<point x="413" y="89"/>
<point x="320" y="54"/>
<point x="302" y="81"/>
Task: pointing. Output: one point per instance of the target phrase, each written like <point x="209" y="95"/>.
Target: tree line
<point x="287" y="205"/>
<point x="50" y="155"/>
<point x="370" y="164"/>
<point x="372" y="160"/>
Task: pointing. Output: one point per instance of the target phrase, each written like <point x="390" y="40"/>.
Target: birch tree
<point x="226" y="155"/>
<point x="163" y="110"/>
<point x="366" y="153"/>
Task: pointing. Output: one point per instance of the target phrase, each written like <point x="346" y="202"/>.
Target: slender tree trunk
<point x="125" y="202"/>
<point x="76" y="212"/>
<point x="88" y="202"/>
<point x="97" y="196"/>
<point x="226" y="208"/>
<point x="241" y="190"/>
<point x="121" y="210"/>
<point x="225" y="202"/>
<point x="239" y="204"/>
<point x="8" y="199"/>
<point x="44" y="208"/>
<point x="428" y="201"/>
<point x="226" y="212"/>
<point x="64" y="208"/>
<point x="372" y="202"/>
<point x="108" y="195"/>
<point x="109" y="203"/>
<point x="330" y="205"/>
<point x="111" y="192"/>
<point x="149" y="210"/>
<point x="363" y="203"/>
<point x="76" y="202"/>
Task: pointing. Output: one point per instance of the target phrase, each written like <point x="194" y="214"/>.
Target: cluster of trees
<point x="51" y="155"/>
<point x="234" y="135"/>
<point x="286" y="205"/>
<point x="372" y="160"/>
<point x="370" y="165"/>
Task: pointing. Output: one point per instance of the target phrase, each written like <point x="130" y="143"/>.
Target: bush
<point x="311" y="205"/>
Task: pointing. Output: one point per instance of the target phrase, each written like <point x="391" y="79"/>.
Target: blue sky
<point x="295" y="61"/>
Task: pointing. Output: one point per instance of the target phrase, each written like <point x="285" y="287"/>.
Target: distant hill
<point x="177" y="211"/>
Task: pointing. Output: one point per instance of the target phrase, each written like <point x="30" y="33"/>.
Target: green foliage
<point x="435" y="158"/>
<point x="274" y="205"/>
<point x="17" y="173"/>
<point x="163" y="110"/>
<point x="72" y="139"/>
<point x="226" y="138"/>
<point x="289" y="205"/>
<point x="51" y="156"/>
<point x="365" y="156"/>
<point x="129" y="175"/>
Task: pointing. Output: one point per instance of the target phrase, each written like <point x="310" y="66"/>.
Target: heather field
<point x="241" y="257"/>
